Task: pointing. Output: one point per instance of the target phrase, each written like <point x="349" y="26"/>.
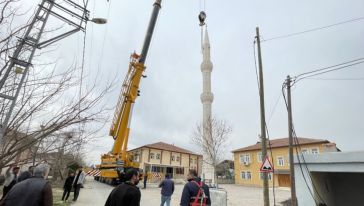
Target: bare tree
<point x="47" y="107"/>
<point x="212" y="137"/>
<point x="61" y="150"/>
<point x="50" y="103"/>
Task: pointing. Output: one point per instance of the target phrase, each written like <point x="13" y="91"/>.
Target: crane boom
<point x="117" y="159"/>
<point x="130" y="88"/>
<point x="148" y="36"/>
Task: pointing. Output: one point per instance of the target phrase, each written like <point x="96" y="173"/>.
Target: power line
<point x="338" y="79"/>
<point x="298" y="158"/>
<point x="313" y="29"/>
<point x="324" y="68"/>
<point x="103" y="43"/>
<point x="327" y="71"/>
<point x="274" y="108"/>
<point x="255" y="64"/>
<point x="305" y="164"/>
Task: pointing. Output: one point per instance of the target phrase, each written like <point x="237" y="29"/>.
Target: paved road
<point x="96" y="193"/>
<point x="93" y="193"/>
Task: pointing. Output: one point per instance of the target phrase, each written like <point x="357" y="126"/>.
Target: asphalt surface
<point x="95" y="193"/>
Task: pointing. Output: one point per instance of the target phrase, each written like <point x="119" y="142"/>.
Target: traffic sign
<point x="266" y="166"/>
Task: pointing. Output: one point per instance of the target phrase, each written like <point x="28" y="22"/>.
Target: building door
<point x="284" y="180"/>
<point x="170" y="171"/>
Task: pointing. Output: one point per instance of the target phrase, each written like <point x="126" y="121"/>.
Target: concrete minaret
<point x="206" y="98"/>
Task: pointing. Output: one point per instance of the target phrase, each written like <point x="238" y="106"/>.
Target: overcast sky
<point x="169" y="106"/>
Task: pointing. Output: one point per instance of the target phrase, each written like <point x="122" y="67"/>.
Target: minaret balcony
<point x="207" y="97"/>
<point x="206" y="66"/>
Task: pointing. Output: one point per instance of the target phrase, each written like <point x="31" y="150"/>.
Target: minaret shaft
<point x="207" y="97"/>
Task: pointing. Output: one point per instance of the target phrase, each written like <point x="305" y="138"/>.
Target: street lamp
<point x="99" y="20"/>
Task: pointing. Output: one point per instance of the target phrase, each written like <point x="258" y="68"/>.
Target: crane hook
<point x="202" y="18"/>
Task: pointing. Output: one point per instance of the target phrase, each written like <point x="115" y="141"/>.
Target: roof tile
<point x="168" y="147"/>
<point x="283" y="142"/>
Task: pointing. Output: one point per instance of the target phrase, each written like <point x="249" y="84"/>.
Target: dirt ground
<point x="95" y="193"/>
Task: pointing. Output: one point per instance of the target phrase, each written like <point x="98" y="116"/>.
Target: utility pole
<point x="290" y="135"/>
<point x="262" y="120"/>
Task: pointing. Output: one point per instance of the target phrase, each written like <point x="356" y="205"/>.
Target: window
<point x="248" y="175"/>
<point x="260" y="157"/>
<point x="315" y="151"/>
<point x="178" y="158"/>
<point x="242" y="175"/>
<point x="151" y="155"/>
<point x="304" y="151"/>
<point x="172" y="158"/>
<point x="136" y="158"/>
<point x="158" y="156"/>
<point x="180" y="171"/>
<point x="280" y="161"/>
<point x="242" y="157"/>
<point x="245" y="158"/>
<point x="269" y="176"/>
<point x="156" y="169"/>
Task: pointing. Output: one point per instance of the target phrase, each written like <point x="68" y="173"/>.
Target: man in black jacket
<point x="191" y="189"/>
<point x="127" y="193"/>
<point x="68" y="186"/>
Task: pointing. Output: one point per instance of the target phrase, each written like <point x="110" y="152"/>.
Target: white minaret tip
<point x="206" y="40"/>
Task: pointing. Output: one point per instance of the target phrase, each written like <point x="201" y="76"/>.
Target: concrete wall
<point x="338" y="189"/>
<point x="323" y="188"/>
<point x="337" y="179"/>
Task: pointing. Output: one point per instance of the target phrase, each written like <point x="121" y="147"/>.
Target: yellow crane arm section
<point x="130" y="90"/>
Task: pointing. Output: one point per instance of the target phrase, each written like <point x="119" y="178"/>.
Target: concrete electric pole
<point x="262" y="120"/>
<point x="290" y="136"/>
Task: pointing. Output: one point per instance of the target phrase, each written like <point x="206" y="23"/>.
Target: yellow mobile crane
<point x="117" y="161"/>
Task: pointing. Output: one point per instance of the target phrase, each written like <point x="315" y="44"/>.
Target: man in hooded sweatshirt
<point x="127" y="193"/>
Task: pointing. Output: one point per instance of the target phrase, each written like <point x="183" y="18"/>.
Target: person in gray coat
<point x="34" y="191"/>
<point x="78" y="182"/>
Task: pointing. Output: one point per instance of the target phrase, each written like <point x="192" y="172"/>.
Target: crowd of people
<point x="31" y="187"/>
<point x="195" y="192"/>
